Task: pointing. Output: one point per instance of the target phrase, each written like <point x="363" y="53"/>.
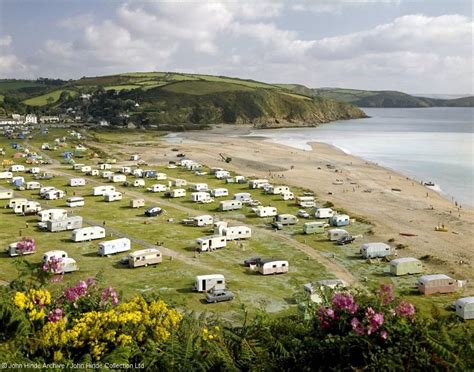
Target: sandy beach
<point x="393" y="203"/>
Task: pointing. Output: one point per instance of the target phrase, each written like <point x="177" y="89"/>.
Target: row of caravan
<point x="215" y="282"/>
<point x="222" y="235"/>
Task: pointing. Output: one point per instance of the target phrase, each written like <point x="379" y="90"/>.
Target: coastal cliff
<point x="171" y="101"/>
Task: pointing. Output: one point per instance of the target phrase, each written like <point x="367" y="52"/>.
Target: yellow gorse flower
<point x="209" y="335"/>
<point x="33" y="302"/>
<point x="101" y="331"/>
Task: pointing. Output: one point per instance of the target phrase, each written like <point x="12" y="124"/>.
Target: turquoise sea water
<point x="429" y="144"/>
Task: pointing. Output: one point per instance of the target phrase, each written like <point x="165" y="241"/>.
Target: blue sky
<point x="413" y="46"/>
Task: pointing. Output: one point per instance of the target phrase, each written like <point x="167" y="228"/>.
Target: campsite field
<point x="311" y="257"/>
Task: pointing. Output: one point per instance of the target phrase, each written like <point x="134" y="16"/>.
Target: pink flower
<point x="57" y="278"/>
<point x="375" y="320"/>
<point x="72" y="294"/>
<point x="55" y="315"/>
<point x="386" y="293"/>
<point x="384" y="335"/>
<point x="357" y="326"/>
<point x="344" y="302"/>
<point x="405" y="309"/>
<point x="53" y="266"/>
<point x="109" y="295"/>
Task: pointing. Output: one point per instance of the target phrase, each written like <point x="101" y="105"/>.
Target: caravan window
<point x="283" y="265"/>
<point x="274" y="266"/>
<point x="219" y="282"/>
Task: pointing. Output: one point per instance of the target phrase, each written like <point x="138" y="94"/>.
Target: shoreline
<point x="368" y="190"/>
<point x="247" y="131"/>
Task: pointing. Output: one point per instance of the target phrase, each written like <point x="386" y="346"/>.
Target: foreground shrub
<point x="349" y="330"/>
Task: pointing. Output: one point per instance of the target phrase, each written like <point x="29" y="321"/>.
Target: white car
<point x="302" y="213"/>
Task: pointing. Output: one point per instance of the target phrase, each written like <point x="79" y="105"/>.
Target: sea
<point x="427" y="144"/>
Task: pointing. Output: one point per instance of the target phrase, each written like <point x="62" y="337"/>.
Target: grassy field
<point x="122" y="87"/>
<point x="9" y="85"/>
<point x="203" y="87"/>
<point x="47" y="98"/>
<point x="173" y="278"/>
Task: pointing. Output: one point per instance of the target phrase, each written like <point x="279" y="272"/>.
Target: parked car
<point x="345" y="240"/>
<point x="219" y="295"/>
<point x="277" y="225"/>
<point x="252" y="261"/>
<point x="124" y="261"/>
<point x="303" y="213"/>
<point x="153" y="211"/>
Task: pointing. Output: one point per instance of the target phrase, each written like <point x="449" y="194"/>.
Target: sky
<point x="415" y="46"/>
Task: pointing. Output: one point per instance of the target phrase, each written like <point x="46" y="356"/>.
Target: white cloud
<point x="5" y="41"/>
<point x="334" y="6"/>
<point x="11" y="65"/>
<point x="411" y="33"/>
<point x="259" y="40"/>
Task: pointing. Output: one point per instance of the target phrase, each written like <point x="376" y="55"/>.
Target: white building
<point x="31" y="119"/>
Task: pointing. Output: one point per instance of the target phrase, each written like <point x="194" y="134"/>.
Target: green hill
<point x="387" y="98"/>
<point x="169" y="99"/>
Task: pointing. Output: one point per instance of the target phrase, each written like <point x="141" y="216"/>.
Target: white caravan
<point x="243" y="197"/>
<point x="116" y="178"/>
<point x="66" y="264"/>
<point x="265" y="211"/>
<point x="324" y="213"/>
<point x="206" y="283"/>
<point x="222" y="174"/>
<point x="88" y="233"/>
<point x="236" y="232"/>
<point x="210" y="243"/>
<point x="258" y="184"/>
<point x="145" y="257"/>
<point x="112" y="196"/>
<point x="6" y="194"/>
<point x="6" y="175"/>
<point x="33" y="185"/>
<point x="54" y="194"/>
<point x="114" y="246"/>
<point x="101" y="190"/>
<point x="199" y="187"/>
<point x="75" y="201"/>
<point x="16" y="201"/>
<point x="201" y="197"/>
<point x="30" y="207"/>
<point x="17" y="168"/>
<point x="157" y="187"/>
<point x="77" y="182"/>
<point x="68" y="223"/>
<point x="230" y="205"/>
<point x="219" y="192"/>
<point x="52" y="214"/>
<point x="45" y="189"/>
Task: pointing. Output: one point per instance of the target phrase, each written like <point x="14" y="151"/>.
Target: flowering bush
<point x="344" y="315"/>
<point x="350" y="331"/>
<point x="99" y="332"/>
<point x="87" y="319"/>
<point x="26" y="245"/>
<point x="53" y="266"/>
<point x="34" y="303"/>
